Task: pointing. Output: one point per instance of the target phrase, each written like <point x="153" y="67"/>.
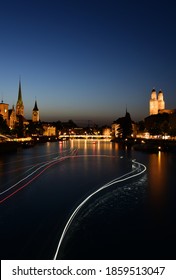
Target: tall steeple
<point x="35" y="106"/>
<point x="19" y="93"/>
<point x="35" y="113"/>
<point x="161" y="103"/>
<point x="153" y="103"/>
<point x="19" y="104"/>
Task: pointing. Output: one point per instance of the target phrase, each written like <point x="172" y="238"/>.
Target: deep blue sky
<point x="87" y="59"/>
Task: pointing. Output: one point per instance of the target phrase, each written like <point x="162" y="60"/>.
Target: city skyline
<point x="87" y="60"/>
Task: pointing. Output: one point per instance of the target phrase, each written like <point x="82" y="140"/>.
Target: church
<point x="14" y="115"/>
<point x="161" y="121"/>
<point x="157" y="104"/>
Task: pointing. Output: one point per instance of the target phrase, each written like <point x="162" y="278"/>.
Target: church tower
<point x="35" y="113"/>
<point x="161" y="103"/>
<point x="19" y="104"/>
<point x="4" y="110"/>
<point x="153" y="104"/>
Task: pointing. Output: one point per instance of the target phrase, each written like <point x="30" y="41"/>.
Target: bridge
<point x="84" y="136"/>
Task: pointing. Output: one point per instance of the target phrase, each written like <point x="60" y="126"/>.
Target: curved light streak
<point x="32" y="173"/>
<point x="45" y="166"/>
<point x="36" y="157"/>
<point x="45" y="163"/>
<point x="30" y="181"/>
<point x="115" y="181"/>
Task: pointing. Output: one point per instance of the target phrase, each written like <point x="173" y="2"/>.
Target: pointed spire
<point x="35" y="106"/>
<point x="35" y="113"/>
<point x="20" y="93"/>
<point x="19" y="104"/>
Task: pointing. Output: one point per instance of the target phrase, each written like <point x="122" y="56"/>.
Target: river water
<point x="132" y="218"/>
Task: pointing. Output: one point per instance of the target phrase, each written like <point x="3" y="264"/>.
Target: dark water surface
<point x="134" y="219"/>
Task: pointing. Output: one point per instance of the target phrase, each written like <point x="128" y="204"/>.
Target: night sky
<point x="87" y="59"/>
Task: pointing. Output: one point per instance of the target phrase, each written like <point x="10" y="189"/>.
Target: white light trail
<point x="55" y="160"/>
<point x="115" y="181"/>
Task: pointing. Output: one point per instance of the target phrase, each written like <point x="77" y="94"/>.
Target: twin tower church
<point x="12" y="116"/>
<point x="157" y="104"/>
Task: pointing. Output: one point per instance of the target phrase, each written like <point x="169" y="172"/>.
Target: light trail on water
<point x="137" y="168"/>
<point x="31" y="158"/>
<point x="45" y="166"/>
<point x="109" y="184"/>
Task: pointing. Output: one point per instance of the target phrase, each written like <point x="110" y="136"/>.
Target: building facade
<point x="12" y="118"/>
<point x="4" y="107"/>
<point x="16" y="114"/>
<point x="156" y="102"/>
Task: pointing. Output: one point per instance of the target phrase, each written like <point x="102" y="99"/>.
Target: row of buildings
<point x="16" y="121"/>
<point x="13" y="115"/>
<point x="22" y="127"/>
<point x="159" y="121"/>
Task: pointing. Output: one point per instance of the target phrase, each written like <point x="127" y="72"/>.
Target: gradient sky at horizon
<point x="87" y="59"/>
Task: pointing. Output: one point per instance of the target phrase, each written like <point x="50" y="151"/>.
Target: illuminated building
<point x="156" y="103"/>
<point x="12" y="118"/>
<point x="35" y="113"/>
<point x="161" y="103"/>
<point x="106" y="131"/>
<point x="19" y="104"/>
<point x="49" y="130"/>
<point x="4" y="110"/>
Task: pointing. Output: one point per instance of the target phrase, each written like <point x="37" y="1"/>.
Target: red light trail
<point x="14" y="189"/>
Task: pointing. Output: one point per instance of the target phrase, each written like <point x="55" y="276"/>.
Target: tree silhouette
<point x="125" y="126"/>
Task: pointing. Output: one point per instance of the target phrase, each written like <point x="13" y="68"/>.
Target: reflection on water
<point x="157" y="171"/>
<point x="40" y="210"/>
<point x="93" y="146"/>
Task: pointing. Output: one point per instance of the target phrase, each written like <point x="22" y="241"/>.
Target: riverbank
<point x="148" y="145"/>
<point x="12" y="145"/>
<point x="138" y="144"/>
